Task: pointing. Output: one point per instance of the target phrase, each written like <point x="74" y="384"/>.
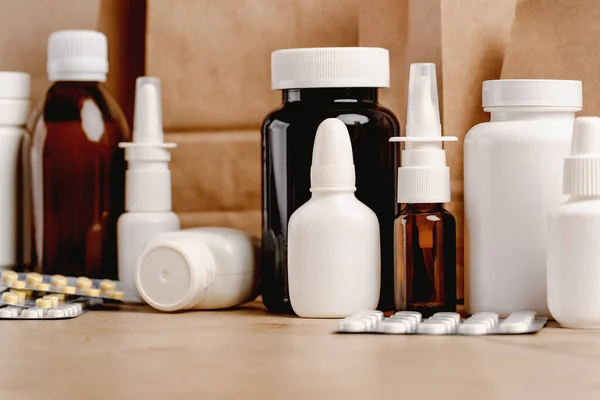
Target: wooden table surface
<point x="136" y="353"/>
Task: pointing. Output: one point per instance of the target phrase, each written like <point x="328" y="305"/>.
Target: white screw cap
<point x="582" y="167"/>
<point x="77" y="55"/>
<point x="532" y="93"/>
<point x="328" y="67"/>
<point x="332" y="161"/>
<point x="14" y="98"/>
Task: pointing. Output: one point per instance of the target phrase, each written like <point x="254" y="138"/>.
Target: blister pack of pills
<point x="82" y="286"/>
<point x="443" y="323"/>
<point x="64" y="311"/>
<point x="26" y="304"/>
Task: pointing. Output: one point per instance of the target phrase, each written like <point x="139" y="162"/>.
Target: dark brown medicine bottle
<point x="78" y="170"/>
<point x="317" y="84"/>
<point x="426" y="259"/>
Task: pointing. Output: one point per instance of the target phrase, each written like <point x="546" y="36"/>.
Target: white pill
<point x="30" y="313"/>
<point x="352" y="326"/>
<point x="488" y="322"/>
<point x="432" y="328"/>
<point x="514" y="327"/>
<point x="491" y="315"/>
<point x="452" y="320"/>
<point x="14" y="310"/>
<point x="69" y="311"/>
<point x="394" y="326"/>
<point x="56" y="313"/>
<point x="370" y="321"/>
<point x="454" y="315"/>
<point x="409" y="316"/>
<point x="473" y="329"/>
<point x="521" y="316"/>
<point x="450" y="323"/>
<point x="414" y="313"/>
<point x="4" y="313"/>
<point x="78" y="307"/>
<point x="412" y="324"/>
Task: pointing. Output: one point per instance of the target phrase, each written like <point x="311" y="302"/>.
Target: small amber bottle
<point x="425" y="233"/>
<point x="425" y="274"/>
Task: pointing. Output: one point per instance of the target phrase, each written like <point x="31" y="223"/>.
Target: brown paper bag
<point x="466" y="40"/>
<point x="26" y="24"/>
<point x="214" y="56"/>
<point x="557" y="39"/>
<point x="216" y="171"/>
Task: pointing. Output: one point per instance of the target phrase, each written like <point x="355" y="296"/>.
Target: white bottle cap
<point x="329" y="67"/>
<point x="14" y="98"/>
<point x="173" y="275"/>
<point x="77" y="55"/>
<point x="423" y="176"/>
<point x="582" y="167"/>
<point x="532" y="93"/>
<point x="332" y="162"/>
<point x="148" y="179"/>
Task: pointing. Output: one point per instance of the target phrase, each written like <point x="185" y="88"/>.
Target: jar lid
<point x="173" y="275"/>
<point x="330" y="67"/>
<point x="532" y="93"/>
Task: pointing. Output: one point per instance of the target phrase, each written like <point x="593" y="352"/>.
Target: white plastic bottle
<point x="333" y="239"/>
<point x="14" y="108"/>
<point x="198" y="268"/>
<point x="147" y="182"/>
<point x="513" y="177"/>
<point x="574" y="234"/>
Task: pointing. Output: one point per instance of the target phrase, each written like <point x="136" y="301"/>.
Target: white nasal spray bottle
<point x="333" y="239"/>
<point x="147" y="182"/>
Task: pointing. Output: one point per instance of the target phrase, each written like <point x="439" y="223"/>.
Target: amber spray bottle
<point x="425" y="233"/>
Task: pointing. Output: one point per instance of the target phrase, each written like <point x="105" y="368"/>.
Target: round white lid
<point x="532" y="93"/>
<point x="77" y="55"/>
<point x="330" y="67"/>
<point x="14" y="85"/>
<point x="173" y="275"/>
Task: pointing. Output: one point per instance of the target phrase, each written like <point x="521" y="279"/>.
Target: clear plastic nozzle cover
<point x="147" y="122"/>
<point x="423" y="111"/>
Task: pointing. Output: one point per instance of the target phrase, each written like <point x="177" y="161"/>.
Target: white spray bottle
<point x="333" y="239"/>
<point x="147" y="182"/>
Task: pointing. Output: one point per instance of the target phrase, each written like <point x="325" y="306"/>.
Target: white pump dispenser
<point x="333" y="239"/>
<point x="147" y="180"/>
<point x="423" y="176"/>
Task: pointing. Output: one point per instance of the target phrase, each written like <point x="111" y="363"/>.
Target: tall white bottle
<point x="333" y="239"/>
<point x="14" y="202"/>
<point x="147" y="182"/>
<point x="513" y="168"/>
<point x="573" y="255"/>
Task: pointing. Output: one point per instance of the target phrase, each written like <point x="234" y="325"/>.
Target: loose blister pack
<point x="92" y="288"/>
<point x="24" y="304"/>
<point x="443" y="323"/>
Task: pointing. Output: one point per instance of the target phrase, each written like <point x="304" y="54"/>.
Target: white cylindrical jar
<point x="199" y="268"/>
<point x="573" y="234"/>
<point x="14" y="108"/>
<point x="513" y="167"/>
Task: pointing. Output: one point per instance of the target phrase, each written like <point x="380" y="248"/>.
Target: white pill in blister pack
<point x="443" y="323"/>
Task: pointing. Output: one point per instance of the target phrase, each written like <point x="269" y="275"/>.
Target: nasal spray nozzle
<point x="423" y="176"/>
<point x="148" y="179"/>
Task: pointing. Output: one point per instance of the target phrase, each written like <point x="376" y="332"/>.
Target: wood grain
<point x="136" y="353"/>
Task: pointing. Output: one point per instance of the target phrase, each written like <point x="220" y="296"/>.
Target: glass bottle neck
<point x="424" y="207"/>
<point x="331" y="95"/>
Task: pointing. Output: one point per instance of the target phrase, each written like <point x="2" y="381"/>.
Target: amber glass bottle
<point x="78" y="170"/>
<point x="425" y="273"/>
